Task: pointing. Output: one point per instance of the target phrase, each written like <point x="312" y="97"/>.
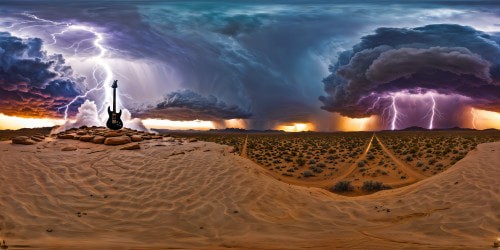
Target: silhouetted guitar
<point x="114" y="122"/>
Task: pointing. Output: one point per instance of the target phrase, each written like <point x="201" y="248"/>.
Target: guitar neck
<point x="114" y="99"/>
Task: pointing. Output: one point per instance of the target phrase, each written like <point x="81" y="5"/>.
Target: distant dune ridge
<point x="190" y="194"/>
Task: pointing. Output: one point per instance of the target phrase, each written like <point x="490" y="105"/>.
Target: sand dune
<point x="199" y="195"/>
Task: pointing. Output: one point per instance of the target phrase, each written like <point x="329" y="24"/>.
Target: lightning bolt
<point x="433" y="112"/>
<point x="394" y="114"/>
<point x="100" y="63"/>
<point x="373" y="105"/>
<point x="473" y="113"/>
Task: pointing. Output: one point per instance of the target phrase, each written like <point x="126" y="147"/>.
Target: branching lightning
<point x="101" y="64"/>
<point x="433" y="112"/>
<point x="394" y="114"/>
<point x="473" y="113"/>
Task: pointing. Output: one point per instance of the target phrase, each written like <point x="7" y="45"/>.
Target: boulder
<point x="98" y="139"/>
<point x="118" y="140"/>
<point x="76" y="137"/>
<point x="81" y="132"/>
<point x="133" y="146"/>
<point x="146" y="137"/>
<point x="23" y="140"/>
<point x="65" y="136"/>
<point x="113" y="134"/>
<point x="86" y="138"/>
<point x="69" y="148"/>
<point x="192" y="140"/>
<point x="136" y="138"/>
<point x="36" y="138"/>
<point x="157" y="137"/>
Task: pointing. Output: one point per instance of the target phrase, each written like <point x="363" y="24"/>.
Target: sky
<point x="292" y="65"/>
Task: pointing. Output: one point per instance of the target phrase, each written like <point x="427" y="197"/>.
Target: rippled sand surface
<point x="198" y="195"/>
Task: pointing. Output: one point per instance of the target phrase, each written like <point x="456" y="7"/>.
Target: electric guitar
<point x="114" y="121"/>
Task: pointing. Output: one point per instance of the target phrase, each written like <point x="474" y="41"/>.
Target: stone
<point x="98" y="139"/>
<point x="113" y="134"/>
<point x="86" y="138"/>
<point x="65" y="136"/>
<point x="192" y="140"/>
<point x="36" y="138"/>
<point x="81" y="132"/>
<point x="69" y="148"/>
<point x="136" y="138"/>
<point x="118" y="140"/>
<point x="157" y="137"/>
<point x="76" y="137"/>
<point x="133" y="146"/>
<point x="146" y="137"/>
<point x="23" y="140"/>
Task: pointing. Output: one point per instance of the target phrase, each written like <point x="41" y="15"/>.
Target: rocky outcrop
<point x="102" y="135"/>
<point x="23" y="140"/>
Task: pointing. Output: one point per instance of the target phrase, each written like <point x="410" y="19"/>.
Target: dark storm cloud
<point x="448" y="59"/>
<point x="187" y="105"/>
<point x="269" y="57"/>
<point x="32" y="83"/>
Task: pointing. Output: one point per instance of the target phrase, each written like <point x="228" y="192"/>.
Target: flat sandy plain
<point x="177" y="194"/>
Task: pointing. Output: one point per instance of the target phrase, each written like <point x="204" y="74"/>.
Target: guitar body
<point x="114" y="121"/>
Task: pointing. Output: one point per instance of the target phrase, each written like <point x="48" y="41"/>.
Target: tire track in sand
<point x="401" y="165"/>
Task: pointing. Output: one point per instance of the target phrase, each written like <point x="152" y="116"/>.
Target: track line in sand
<point x="405" y="168"/>
<point x="352" y="167"/>
<point x="244" y="148"/>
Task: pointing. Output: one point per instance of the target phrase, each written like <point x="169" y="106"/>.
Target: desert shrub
<point x="312" y="161"/>
<point x="432" y="161"/>
<point x="342" y="186"/>
<point x="361" y="164"/>
<point x="321" y="165"/>
<point x="420" y="164"/>
<point x="370" y="156"/>
<point x="290" y="170"/>
<point x="307" y="173"/>
<point x="409" y="158"/>
<point x="374" y="186"/>
<point x="362" y="169"/>
<point x="301" y="161"/>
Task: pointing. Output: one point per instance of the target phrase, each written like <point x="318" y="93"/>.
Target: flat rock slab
<point x="23" y="140"/>
<point x="68" y="148"/>
<point x="131" y="147"/>
<point x="86" y="138"/>
<point x="119" y="140"/>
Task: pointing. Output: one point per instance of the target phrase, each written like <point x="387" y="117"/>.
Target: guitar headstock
<point x="115" y="84"/>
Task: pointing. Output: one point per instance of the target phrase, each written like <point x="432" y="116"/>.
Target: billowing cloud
<point x="186" y="105"/>
<point x="33" y="83"/>
<point x="265" y="56"/>
<point x="88" y="116"/>
<point x="445" y="59"/>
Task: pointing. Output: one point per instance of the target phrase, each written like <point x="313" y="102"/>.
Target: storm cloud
<point x="269" y="58"/>
<point x="446" y="59"/>
<point x="186" y="105"/>
<point x="33" y="83"/>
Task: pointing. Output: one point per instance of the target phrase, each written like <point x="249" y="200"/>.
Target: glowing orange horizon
<point x="477" y="118"/>
<point x="483" y="119"/>
<point x="296" y="127"/>
<point x="357" y="124"/>
<point x="16" y="122"/>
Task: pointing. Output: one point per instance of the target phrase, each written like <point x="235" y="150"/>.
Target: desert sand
<point x="200" y="195"/>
